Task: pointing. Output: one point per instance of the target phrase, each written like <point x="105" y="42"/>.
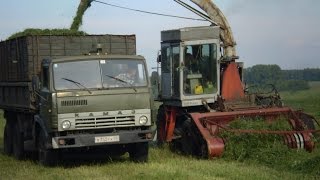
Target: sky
<point x="283" y="32"/>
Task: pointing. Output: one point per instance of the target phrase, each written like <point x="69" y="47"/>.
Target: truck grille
<point x="80" y="102"/>
<point x="104" y="122"/>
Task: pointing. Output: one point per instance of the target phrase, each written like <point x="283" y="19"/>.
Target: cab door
<point x="170" y="61"/>
<point x="45" y="98"/>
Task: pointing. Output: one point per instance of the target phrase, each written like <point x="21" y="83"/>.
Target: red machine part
<point x="170" y="122"/>
<point x="215" y="144"/>
<point x="167" y="124"/>
<point x="231" y="83"/>
<point x="210" y="124"/>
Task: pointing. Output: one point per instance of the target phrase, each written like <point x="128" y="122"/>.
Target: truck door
<point x="45" y="99"/>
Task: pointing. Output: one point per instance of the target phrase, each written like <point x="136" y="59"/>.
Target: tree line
<point x="292" y="80"/>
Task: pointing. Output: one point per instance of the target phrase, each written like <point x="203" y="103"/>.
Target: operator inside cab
<point x="200" y="69"/>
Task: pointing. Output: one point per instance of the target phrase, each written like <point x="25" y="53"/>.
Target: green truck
<point x="64" y="93"/>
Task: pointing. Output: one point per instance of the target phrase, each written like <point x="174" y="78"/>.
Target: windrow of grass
<point x="269" y="150"/>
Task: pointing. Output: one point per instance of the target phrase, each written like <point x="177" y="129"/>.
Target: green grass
<point x="307" y="100"/>
<point x="51" y="32"/>
<point x="164" y="164"/>
<point x="314" y="84"/>
<point x="77" y="20"/>
<point x="269" y="150"/>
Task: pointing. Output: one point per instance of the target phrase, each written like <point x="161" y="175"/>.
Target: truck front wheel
<point x="46" y="157"/>
<point x="18" y="142"/>
<point x="8" y="139"/>
<point x="139" y="152"/>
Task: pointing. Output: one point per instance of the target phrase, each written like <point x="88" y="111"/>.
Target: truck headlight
<point x="143" y="120"/>
<point x="66" y="124"/>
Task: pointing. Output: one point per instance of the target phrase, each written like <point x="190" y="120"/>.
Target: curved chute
<point x="77" y="20"/>
<point x="217" y="16"/>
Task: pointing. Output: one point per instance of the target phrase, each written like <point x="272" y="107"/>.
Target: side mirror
<point x="35" y="83"/>
<point x="159" y="58"/>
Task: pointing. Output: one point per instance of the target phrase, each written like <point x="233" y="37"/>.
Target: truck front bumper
<point x="87" y="140"/>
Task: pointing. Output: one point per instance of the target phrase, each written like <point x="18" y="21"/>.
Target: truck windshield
<point x="85" y="73"/>
<point x="88" y="74"/>
<point x="123" y="73"/>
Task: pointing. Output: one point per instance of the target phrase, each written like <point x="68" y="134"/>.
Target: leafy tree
<point x="263" y="74"/>
<point x="293" y="80"/>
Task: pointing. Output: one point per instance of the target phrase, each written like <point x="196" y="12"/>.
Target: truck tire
<point x="18" y="142"/>
<point x="46" y="157"/>
<point x="8" y="139"/>
<point x="139" y="152"/>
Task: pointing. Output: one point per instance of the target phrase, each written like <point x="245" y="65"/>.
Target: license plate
<point x="104" y="139"/>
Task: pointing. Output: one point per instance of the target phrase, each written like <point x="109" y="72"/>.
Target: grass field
<point x="164" y="164"/>
<point x="308" y="100"/>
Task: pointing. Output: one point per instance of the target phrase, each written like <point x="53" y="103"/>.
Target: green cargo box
<point x="21" y="58"/>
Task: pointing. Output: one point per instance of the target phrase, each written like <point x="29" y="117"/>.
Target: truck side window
<point x="141" y="72"/>
<point x="45" y="77"/>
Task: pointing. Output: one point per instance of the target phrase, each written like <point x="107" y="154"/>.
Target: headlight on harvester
<point x="66" y="124"/>
<point x="143" y="120"/>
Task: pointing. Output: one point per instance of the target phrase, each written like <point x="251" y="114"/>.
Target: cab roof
<point x="86" y="57"/>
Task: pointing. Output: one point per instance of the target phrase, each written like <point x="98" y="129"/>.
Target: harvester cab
<point x="190" y="66"/>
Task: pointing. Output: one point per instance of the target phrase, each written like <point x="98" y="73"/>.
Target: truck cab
<point x="84" y="102"/>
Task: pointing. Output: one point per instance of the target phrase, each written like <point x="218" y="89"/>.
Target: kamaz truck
<point x="64" y="93"/>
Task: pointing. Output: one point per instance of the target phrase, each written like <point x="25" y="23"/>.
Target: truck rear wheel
<point x="139" y="152"/>
<point x="46" y="157"/>
<point x="18" y="142"/>
<point x="8" y="139"/>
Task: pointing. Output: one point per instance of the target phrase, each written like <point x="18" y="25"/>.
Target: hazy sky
<point x="283" y="32"/>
